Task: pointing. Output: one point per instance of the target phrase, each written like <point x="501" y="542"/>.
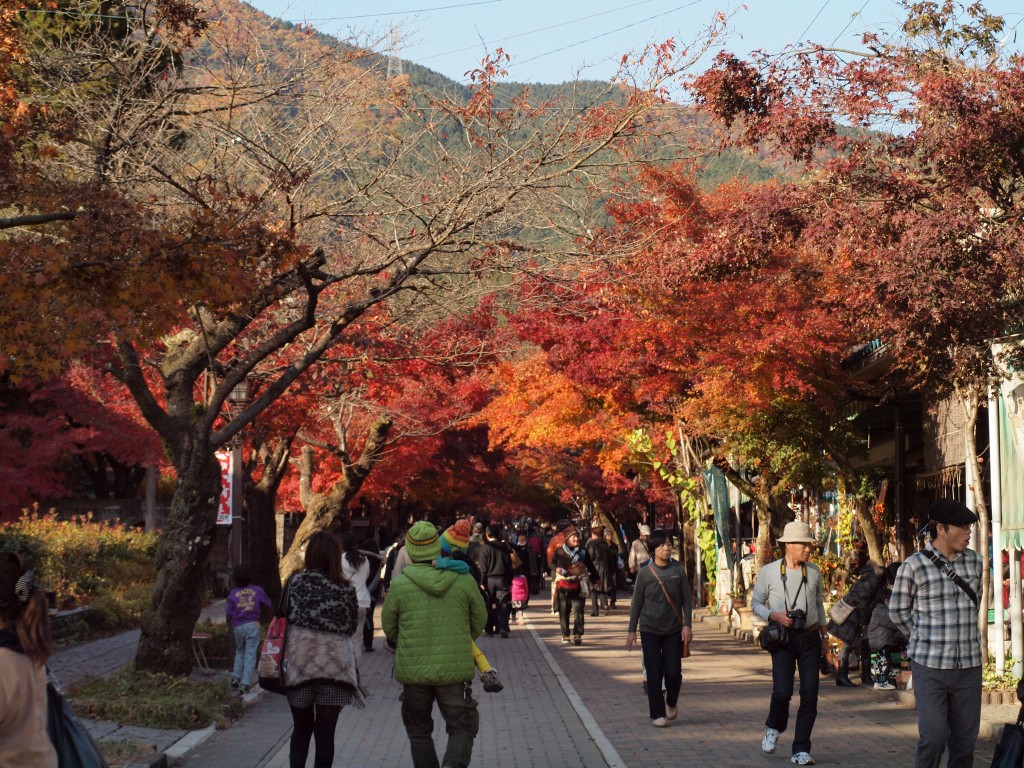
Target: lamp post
<point x="239" y="546"/>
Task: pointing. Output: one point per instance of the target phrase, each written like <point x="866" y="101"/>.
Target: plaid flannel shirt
<point x="939" y="617"/>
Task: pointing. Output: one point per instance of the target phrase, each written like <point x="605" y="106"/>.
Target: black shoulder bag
<point x="952" y="575"/>
<point x="775" y="636"/>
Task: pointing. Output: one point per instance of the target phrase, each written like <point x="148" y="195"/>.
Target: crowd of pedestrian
<point x="443" y="588"/>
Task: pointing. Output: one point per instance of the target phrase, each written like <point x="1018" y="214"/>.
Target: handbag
<point x="1010" y="749"/>
<point x="517" y="561"/>
<point x="679" y="615"/>
<point x="75" y="747"/>
<point x="270" y="668"/>
<point x="773" y="637"/>
<point x="841" y="610"/>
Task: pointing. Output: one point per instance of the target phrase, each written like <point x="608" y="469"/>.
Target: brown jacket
<point x="23" y="737"/>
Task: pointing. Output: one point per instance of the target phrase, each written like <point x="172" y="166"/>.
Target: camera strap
<point x="803" y="580"/>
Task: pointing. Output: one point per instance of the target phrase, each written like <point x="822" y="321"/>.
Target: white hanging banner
<point x="1011" y="389"/>
<point x="227" y="486"/>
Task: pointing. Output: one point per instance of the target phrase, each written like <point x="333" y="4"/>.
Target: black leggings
<point x="320" y="721"/>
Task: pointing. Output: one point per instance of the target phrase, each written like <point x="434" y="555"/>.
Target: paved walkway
<point x="583" y="706"/>
<point x="565" y="706"/>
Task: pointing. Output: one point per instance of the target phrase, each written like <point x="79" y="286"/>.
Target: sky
<point x="552" y="41"/>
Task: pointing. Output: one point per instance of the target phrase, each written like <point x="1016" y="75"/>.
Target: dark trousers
<point x="948" y="714"/>
<point x="461" y="718"/>
<point x="570" y="602"/>
<point x="803" y="653"/>
<point x="663" y="658"/>
<point x="368" y="626"/>
<point x="499" y="604"/>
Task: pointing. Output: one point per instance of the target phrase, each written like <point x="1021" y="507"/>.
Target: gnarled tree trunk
<point x="322" y="510"/>
<point x="260" y="502"/>
<point x="181" y="554"/>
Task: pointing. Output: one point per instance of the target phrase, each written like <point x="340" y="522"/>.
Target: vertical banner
<point x="227" y="486"/>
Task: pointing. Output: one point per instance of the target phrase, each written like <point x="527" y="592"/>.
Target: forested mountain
<point x="681" y="132"/>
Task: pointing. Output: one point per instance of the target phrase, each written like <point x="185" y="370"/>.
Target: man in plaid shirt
<point x="945" y="643"/>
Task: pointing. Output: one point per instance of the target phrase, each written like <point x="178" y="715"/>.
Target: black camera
<point x="799" y="619"/>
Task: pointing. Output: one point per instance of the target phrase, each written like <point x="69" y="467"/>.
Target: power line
<point x="604" y="34"/>
<point x="852" y="17"/>
<point x="401" y="13"/>
<point x="811" y="23"/>
<point x="536" y="31"/>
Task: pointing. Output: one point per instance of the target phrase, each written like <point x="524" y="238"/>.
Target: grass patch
<point x="120" y="752"/>
<point x="156" y="701"/>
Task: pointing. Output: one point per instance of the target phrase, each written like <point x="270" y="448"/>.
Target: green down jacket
<point x="433" y="616"/>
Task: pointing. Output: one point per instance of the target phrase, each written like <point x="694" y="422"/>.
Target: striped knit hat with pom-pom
<point x="455" y="538"/>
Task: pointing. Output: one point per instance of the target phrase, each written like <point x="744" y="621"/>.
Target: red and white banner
<point x="227" y="478"/>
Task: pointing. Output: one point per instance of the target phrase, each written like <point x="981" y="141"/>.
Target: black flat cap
<point x="950" y="512"/>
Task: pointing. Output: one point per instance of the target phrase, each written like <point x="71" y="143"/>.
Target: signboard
<point x="227" y="486"/>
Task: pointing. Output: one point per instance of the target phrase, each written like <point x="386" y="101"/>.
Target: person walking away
<point x="788" y="591"/>
<point x="243" y="610"/>
<point x="616" y="565"/>
<point x="374" y="584"/>
<point x="454" y="543"/>
<point x="25" y="645"/>
<point x="639" y="552"/>
<point x="600" y="556"/>
<point x="522" y="577"/>
<point x="495" y="559"/>
<point x="662" y="608"/>
<point x="431" y="616"/>
<point x="571" y="568"/>
<point x="885" y="639"/>
<point x="320" y="673"/>
<point x="862" y="595"/>
<point x="933" y="602"/>
<point x="355" y="569"/>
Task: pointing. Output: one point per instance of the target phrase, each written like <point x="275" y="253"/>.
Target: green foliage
<point x="81" y="559"/>
<point x="687" y="489"/>
<point x="156" y="701"/>
<point x="991" y="681"/>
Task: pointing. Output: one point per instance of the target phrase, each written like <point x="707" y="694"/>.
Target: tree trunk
<point x="772" y="513"/>
<point x="165" y="644"/>
<point x="869" y="530"/>
<point x="261" y="503"/>
<point x="322" y="510"/>
<point x="969" y="401"/>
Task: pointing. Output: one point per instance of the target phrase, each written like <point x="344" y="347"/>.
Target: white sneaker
<point x="771" y="738"/>
<point x="885" y="685"/>
<point x="659" y="722"/>
<point x="802" y="758"/>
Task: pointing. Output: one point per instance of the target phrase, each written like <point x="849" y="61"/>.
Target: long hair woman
<point x="25" y="645"/>
<point x="320" y="663"/>
<point x="355" y="568"/>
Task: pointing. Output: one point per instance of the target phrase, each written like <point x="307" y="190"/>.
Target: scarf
<point x="574" y="554"/>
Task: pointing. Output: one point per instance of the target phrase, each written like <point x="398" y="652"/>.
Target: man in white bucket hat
<point x="788" y="591"/>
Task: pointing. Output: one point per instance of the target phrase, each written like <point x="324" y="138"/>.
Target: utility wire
<point x="536" y="31"/>
<point x="811" y="23"/>
<point x="604" y="34"/>
<point x="852" y="17"/>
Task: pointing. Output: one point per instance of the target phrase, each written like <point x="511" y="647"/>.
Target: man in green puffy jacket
<point x="432" y="617"/>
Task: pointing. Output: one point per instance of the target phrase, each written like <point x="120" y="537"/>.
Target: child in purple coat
<point x="244" y="606"/>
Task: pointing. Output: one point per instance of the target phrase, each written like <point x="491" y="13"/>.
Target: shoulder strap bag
<point x="774" y="637"/>
<point x="952" y="575"/>
<point x="676" y="611"/>
<point x="270" y="668"/>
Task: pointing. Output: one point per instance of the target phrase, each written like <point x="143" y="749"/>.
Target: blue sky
<point x="550" y="41"/>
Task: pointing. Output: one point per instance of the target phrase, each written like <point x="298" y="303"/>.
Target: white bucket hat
<point x="795" y="532"/>
<point x="645" y="530"/>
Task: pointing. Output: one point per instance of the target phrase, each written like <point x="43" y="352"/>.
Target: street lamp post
<point x="239" y="545"/>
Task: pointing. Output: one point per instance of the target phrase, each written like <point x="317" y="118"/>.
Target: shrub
<point x="80" y="559"/>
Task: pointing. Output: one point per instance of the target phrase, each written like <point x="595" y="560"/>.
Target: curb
<point x="182" y="749"/>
